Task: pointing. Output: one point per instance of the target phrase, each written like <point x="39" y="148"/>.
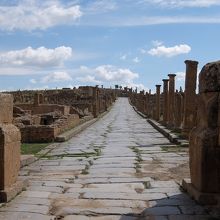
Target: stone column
<point x="204" y="147"/>
<point x="9" y="151"/>
<point x="171" y="98"/>
<point x="95" y="101"/>
<point x="36" y="99"/>
<point x="189" y="114"/>
<point x="165" y="100"/>
<point x="158" y="102"/>
<point x="147" y="104"/>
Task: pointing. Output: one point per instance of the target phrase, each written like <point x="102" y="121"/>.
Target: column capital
<point x="165" y="80"/>
<point x="191" y="62"/>
<point x="171" y="75"/>
<point x="158" y="86"/>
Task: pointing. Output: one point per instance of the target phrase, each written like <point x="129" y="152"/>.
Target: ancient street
<point x="118" y="168"/>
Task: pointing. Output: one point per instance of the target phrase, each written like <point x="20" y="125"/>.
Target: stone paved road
<point x="120" y="168"/>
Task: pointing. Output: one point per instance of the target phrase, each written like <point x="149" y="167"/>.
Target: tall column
<point x="171" y="99"/>
<point x="189" y="114"/>
<point x="95" y="101"/>
<point x="204" y="145"/>
<point x="158" y="102"/>
<point x="165" y="100"/>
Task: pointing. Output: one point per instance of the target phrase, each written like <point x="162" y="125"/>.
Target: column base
<point x="10" y="192"/>
<point x="200" y="197"/>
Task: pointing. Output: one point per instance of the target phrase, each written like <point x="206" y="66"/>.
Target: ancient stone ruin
<point x="9" y="151"/>
<point x="41" y="116"/>
<point x="195" y="117"/>
<point x="204" y="139"/>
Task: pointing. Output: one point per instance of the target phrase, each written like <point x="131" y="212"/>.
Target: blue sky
<point x="62" y="43"/>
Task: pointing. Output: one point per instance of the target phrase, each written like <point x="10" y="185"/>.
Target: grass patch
<point x="32" y="148"/>
<point x="147" y="184"/>
<point x="173" y="149"/>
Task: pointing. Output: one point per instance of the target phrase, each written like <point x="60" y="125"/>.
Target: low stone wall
<point x="44" y="108"/>
<point x="48" y="133"/>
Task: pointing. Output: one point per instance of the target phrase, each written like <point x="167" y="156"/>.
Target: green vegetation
<point x="175" y="149"/>
<point x="32" y="148"/>
<point x="147" y="184"/>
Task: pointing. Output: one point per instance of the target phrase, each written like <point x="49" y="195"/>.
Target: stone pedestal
<point x="9" y="151"/>
<point x="165" y="100"/>
<point x="189" y="115"/>
<point x="205" y="137"/>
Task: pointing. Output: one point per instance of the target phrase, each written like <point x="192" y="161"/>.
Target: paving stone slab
<point x="126" y="196"/>
<point x="19" y="207"/>
<point x="190" y="217"/>
<point x="164" y="210"/>
<point x="24" y="216"/>
<point x="106" y="217"/>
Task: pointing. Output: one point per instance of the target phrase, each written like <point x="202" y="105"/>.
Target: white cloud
<point x="143" y="51"/>
<point x="157" y="43"/>
<point x="33" y="81"/>
<point x="123" y="57"/>
<point x="170" y="51"/>
<point x="111" y="73"/>
<point x="139" y="86"/>
<point x="101" y="6"/>
<point x="31" y="15"/>
<point x="153" y="20"/>
<point x="36" y="57"/>
<point x="105" y="74"/>
<point x="88" y="79"/>
<point x="136" y="60"/>
<point x="183" y="3"/>
<point x="180" y="76"/>
<point x="56" y="77"/>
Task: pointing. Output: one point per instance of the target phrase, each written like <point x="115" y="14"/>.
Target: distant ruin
<point x="41" y="116"/>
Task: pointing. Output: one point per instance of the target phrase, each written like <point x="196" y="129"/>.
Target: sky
<point x="47" y="44"/>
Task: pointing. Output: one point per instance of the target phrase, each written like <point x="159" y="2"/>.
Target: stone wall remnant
<point x="9" y="151"/>
<point x="204" y="146"/>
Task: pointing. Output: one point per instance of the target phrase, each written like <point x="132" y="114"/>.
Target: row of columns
<point x="170" y="105"/>
<point x="198" y="117"/>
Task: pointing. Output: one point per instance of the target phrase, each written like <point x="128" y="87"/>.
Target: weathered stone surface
<point x="24" y="216"/>
<point x="106" y="217"/>
<point x="190" y="105"/>
<point x="204" y="139"/>
<point x="127" y="177"/>
<point x="6" y="106"/>
<point x="9" y="151"/>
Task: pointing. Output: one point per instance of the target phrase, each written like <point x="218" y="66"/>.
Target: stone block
<point x="9" y="155"/>
<point x="6" y="108"/>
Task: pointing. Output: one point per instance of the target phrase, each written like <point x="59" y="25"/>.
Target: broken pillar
<point x="171" y="99"/>
<point x="204" y="146"/>
<point x="157" y="102"/>
<point x="10" y="138"/>
<point x="189" y="114"/>
<point x="165" y="100"/>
